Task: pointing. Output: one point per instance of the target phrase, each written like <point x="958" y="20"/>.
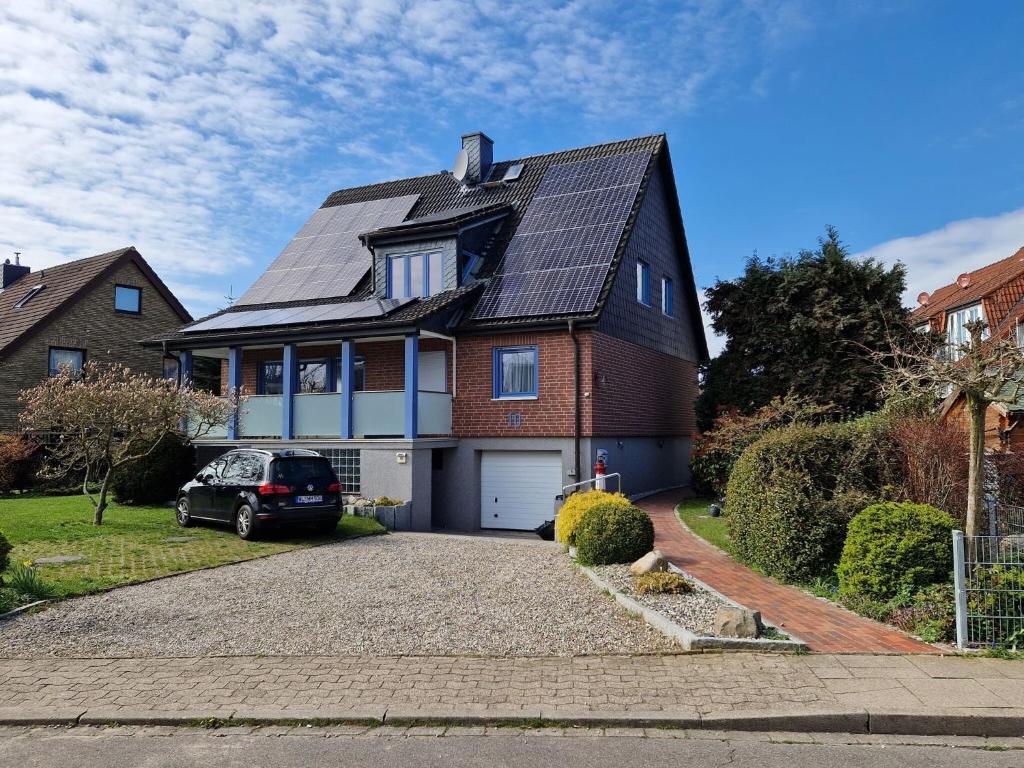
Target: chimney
<point x="480" y="149"/>
<point x="11" y="272"/>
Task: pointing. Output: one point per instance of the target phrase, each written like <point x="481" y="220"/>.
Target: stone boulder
<point x="651" y="562"/>
<point x="738" y="622"/>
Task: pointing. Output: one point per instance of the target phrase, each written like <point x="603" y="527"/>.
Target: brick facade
<point x="90" y="324"/>
<point x="551" y="414"/>
<point x="641" y="392"/>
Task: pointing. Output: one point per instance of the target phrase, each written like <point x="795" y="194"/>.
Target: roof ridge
<point x="1018" y="254"/>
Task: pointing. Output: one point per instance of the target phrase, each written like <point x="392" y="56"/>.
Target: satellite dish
<point x="923" y="298"/>
<point x="461" y="165"/>
<point x="964" y="280"/>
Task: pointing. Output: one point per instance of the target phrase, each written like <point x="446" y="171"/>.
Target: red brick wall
<point x="385" y="362"/>
<point x="640" y="391"/>
<point x="475" y="414"/>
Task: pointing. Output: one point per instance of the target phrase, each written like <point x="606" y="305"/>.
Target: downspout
<point x="578" y="416"/>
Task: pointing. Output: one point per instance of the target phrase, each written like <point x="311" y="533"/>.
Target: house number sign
<point x="515" y="419"/>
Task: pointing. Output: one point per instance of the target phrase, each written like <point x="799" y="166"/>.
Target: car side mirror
<point x="203" y="478"/>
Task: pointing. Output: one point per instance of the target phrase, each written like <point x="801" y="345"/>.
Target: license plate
<point x="309" y="499"/>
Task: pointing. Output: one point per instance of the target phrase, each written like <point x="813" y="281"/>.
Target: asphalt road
<point x="323" y="747"/>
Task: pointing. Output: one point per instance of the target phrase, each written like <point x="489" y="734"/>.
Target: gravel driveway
<point x="403" y="593"/>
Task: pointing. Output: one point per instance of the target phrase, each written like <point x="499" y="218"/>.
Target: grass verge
<point x="132" y="544"/>
<point x="694" y="512"/>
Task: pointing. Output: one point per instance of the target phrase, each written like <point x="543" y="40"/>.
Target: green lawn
<point x="694" y="512"/>
<point x="131" y="544"/>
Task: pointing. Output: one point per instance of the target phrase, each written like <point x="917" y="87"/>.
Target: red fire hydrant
<point x="599" y="473"/>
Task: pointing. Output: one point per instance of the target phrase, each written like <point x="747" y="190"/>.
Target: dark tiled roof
<point x="998" y="286"/>
<point x="63" y="283"/>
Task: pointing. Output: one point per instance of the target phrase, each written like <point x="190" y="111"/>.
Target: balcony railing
<point x="318" y="415"/>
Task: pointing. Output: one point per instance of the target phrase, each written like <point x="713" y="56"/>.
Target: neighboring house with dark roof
<point x="98" y="309"/>
<point x="473" y="340"/>
<point x="995" y="295"/>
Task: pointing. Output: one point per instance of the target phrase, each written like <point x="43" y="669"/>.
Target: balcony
<point x="374" y="415"/>
<point x="349" y="413"/>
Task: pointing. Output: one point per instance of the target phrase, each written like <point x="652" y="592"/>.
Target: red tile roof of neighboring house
<point x="999" y="287"/>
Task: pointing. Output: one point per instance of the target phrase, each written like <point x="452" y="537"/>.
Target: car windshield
<point x="301" y="469"/>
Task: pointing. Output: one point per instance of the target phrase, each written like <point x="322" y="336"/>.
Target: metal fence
<point x="988" y="576"/>
<point x="1005" y="520"/>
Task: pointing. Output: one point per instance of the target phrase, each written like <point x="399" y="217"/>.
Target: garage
<point x="518" y="488"/>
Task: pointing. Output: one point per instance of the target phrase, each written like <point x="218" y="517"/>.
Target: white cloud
<point x="716" y="341"/>
<point x="190" y="127"/>
<point x="935" y="258"/>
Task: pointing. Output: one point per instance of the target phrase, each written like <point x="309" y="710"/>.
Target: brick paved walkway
<point x="824" y="627"/>
<point x="330" y="687"/>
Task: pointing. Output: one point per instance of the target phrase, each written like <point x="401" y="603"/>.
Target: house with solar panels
<point x="473" y="340"/>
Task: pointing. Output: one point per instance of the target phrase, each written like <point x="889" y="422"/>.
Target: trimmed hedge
<point x="894" y="547"/>
<point x="791" y="494"/>
<point x="571" y="512"/>
<point x="157" y="477"/>
<point x="610" y="533"/>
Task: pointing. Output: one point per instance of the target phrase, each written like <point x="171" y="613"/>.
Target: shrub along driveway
<point x="823" y="626"/>
<point x="380" y="595"/>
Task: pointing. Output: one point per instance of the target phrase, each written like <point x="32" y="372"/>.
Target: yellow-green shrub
<point x="572" y="510"/>
<point x="662" y="583"/>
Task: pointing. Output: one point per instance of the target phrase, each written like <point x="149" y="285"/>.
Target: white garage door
<point x="518" y="488"/>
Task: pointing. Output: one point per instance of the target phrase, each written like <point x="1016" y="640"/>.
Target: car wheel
<point x="245" y="522"/>
<point x="183" y="512"/>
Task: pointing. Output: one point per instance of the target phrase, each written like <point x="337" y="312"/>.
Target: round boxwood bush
<point x="157" y="477"/>
<point x="895" y="547"/>
<point x="572" y="510"/>
<point x="610" y="533"/>
<point x="790" y="496"/>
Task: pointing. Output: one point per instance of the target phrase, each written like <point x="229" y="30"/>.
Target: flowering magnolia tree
<point x="108" y="416"/>
<point x="983" y="370"/>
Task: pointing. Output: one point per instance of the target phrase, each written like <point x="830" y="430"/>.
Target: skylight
<point x="512" y="172"/>
<point x="29" y="296"/>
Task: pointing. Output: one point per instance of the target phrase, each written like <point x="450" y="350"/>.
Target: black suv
<point x="255" y="489"/>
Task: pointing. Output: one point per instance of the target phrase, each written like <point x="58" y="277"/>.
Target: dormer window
<point x="957" y="334"/>
<point x="414" y="274"/>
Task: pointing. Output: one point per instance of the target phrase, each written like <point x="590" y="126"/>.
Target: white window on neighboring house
<point x="1020" y="334"/>
<point x="957" y="334"/>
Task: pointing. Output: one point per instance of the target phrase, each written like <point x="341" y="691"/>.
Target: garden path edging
<point x="691" y="641"/>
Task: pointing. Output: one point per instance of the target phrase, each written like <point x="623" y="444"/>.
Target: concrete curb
<point x="691" y="641"/>
<point x="1007" y="722"/>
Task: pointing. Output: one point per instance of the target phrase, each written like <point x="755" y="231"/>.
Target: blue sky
<point x="206" y="132"/>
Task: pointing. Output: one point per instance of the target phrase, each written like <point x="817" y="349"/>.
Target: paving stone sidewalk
<point x="823" y="626"/>
<point x="331" y="687"/>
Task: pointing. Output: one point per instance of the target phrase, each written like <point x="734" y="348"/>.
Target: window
<point x="33" y="292"/>
<point x="171" y="368"/>
<point x="956" y="334"/>
<point x="214" y="469"/>
<point x="292" y="470"/>
<point x="312" y="376"/>
<point x="667" y="299"/>
<point x="1020" y="335"/>
<point x="245" y="468"/>
<point x="72" y="359"/>
<point x="345" y="463"/>
<point x="415" y="274"/>
<point x="127" y="299"/>
<point x="515" y="372"/>
<point x="270" y="378"/>
<point x="643" y="283"/>
<point x="358" y="374"/>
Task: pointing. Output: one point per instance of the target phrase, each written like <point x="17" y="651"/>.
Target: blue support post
<point x="234" y="385"/>
<point x="348" y="379"/>
<point x="185" y="368"/>
<point x="289" y="376"/>
<point x="412" y="381"/>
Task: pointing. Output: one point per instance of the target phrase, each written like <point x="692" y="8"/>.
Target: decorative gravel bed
<point x="428" y="594"/>
<point x="694" y="611"/>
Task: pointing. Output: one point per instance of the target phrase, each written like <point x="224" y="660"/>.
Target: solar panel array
<point x="262" y="318"/>
<point x="558" y="259"/>
<point x="326" y="258"/>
